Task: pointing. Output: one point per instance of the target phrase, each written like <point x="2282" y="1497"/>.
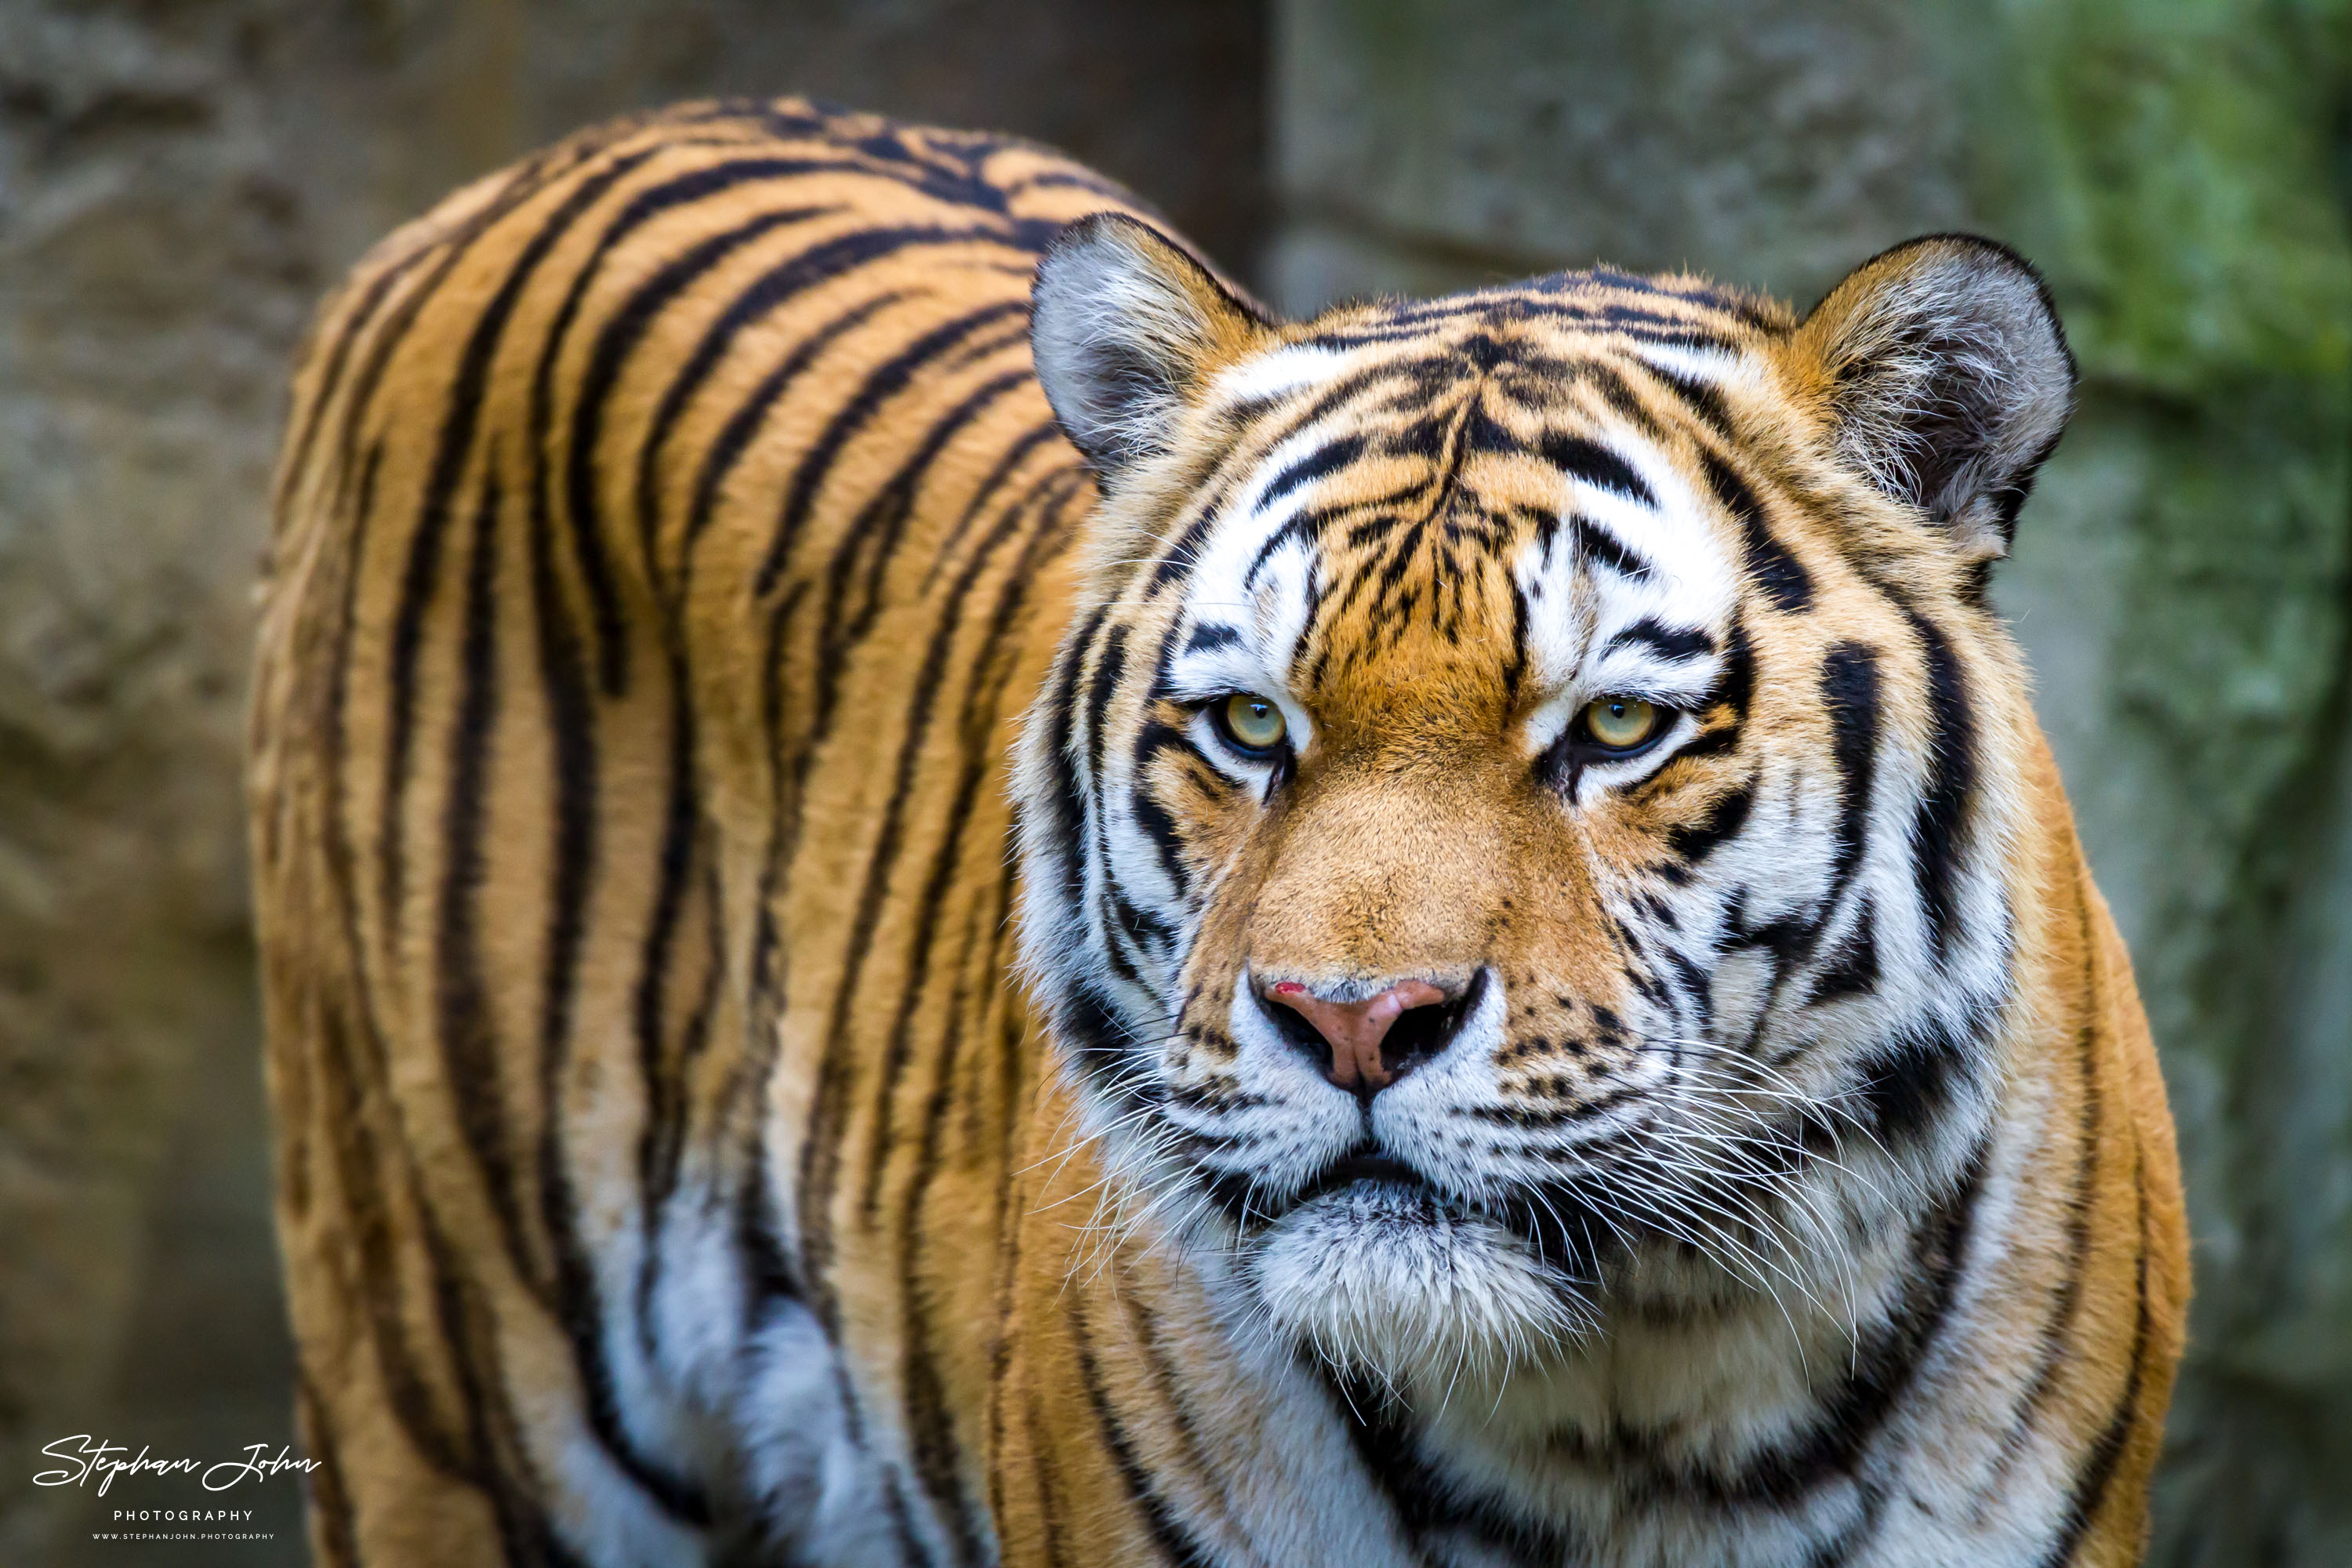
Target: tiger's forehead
<point x="1499" y="500"/>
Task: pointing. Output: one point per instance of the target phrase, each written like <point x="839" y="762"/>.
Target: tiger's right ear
<point x="1124" y="326"/>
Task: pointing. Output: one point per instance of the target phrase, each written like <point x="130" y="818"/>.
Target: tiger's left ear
<point x="1946" y="380"/>
<point x="1124" y="326"/>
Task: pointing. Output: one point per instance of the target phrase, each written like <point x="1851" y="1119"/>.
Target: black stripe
<point x="1913" y="1079"/>
<point x="734" y="439"/>
<point x="1596" y="543"/>
<point x="1209" y="636"/>
<point x="1325" y="461"/>
<point x="1157" y="824"/>
<point x="1849" y="687"/>
<point x="1068" y="474"/>
<point x="421" y="575"/>
<point x="469" y="1045"/>
<point x="1175" y="1539"/>
<point x="1423" y="1503"/>
<point x="1693" y="842"/>
<point x="1100" y="688"/>
<point x="881" y="384"/>
<point x="618" y="338"/>
<point x="1698" y="986"/>
<point x="2098" y="1470"/>
<point x="1153" y="737"/>
<point x="1515" y="664"/>
<point x="881" y="523"/>
<point x="661" y="1136"/>
<point x="1940" y="829"/>
<point x="663" y="1154"/>
<point x="1674" y="643"/>
<point x="1703" y="398"/>
<point x="334" y="1519"/>
<point x="1735" y="688"/>
<point x="1782" y="576"/>
<point x="1851" y="968"/>
<point x="1091" y="1037"/>
<point x="1594" y="464"/>
<point x="771" y="1277"/>
<point x="1067" y="801"/>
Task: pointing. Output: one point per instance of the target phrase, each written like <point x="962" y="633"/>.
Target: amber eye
<point x="1251" y="722"/>
<point x="1621" y="723"/>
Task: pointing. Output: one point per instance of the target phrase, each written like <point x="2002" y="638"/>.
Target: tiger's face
<point x="1517" y="830"/>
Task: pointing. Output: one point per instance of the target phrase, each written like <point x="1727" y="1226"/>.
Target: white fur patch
<point x="1275" y="375"/>
<point x="1384" y="1280"/>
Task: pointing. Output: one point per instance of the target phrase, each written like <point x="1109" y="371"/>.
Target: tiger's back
<point x="669" y="530"/>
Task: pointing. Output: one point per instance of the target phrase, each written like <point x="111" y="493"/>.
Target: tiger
<point x="932" y="892"/>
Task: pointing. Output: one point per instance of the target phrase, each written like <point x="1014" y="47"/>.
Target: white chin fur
<point x="1382" y="1280"/>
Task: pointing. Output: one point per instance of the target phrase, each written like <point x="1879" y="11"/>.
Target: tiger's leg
<point x="438" y="1402"/>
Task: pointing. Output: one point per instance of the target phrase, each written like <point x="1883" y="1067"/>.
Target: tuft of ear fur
<point x="1946" y="380"/>
<point x="1124" y="323"/>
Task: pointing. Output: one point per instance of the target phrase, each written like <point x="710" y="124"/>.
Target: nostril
<point x="1368" y="1044"/>
<point x="1295" y="1027"/>
<point x="1422" y="1032"/>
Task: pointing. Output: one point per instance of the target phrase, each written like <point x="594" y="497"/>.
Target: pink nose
<point x="1354" y="1030"/>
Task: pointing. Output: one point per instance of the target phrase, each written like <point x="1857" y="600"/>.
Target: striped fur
<point x="672" y="534"/>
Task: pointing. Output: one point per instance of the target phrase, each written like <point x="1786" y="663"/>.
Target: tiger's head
<point x="1521" y="824"/>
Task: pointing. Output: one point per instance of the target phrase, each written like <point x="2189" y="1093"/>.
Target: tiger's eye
<point x="1251" y="723"/>
<point x="1620" y="723"/>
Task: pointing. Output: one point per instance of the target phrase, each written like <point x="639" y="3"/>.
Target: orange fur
<point x="631" y="784"/>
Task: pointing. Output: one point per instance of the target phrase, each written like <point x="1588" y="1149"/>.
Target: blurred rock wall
<point x="177" y="184"/>
<point x="2180" y="173"/>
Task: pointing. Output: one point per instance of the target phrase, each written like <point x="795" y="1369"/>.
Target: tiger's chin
<point x="1388" y="1281"/>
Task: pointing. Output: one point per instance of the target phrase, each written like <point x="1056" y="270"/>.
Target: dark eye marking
<point x="1584" y="743"/>
<point x="1670" y="643"/>
<point x="1723" y="821"/>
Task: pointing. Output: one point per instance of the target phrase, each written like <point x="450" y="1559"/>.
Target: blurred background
<point x="180" y="178"/>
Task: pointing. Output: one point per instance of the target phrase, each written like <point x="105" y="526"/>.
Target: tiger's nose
<point x="1372" y="1043"/>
